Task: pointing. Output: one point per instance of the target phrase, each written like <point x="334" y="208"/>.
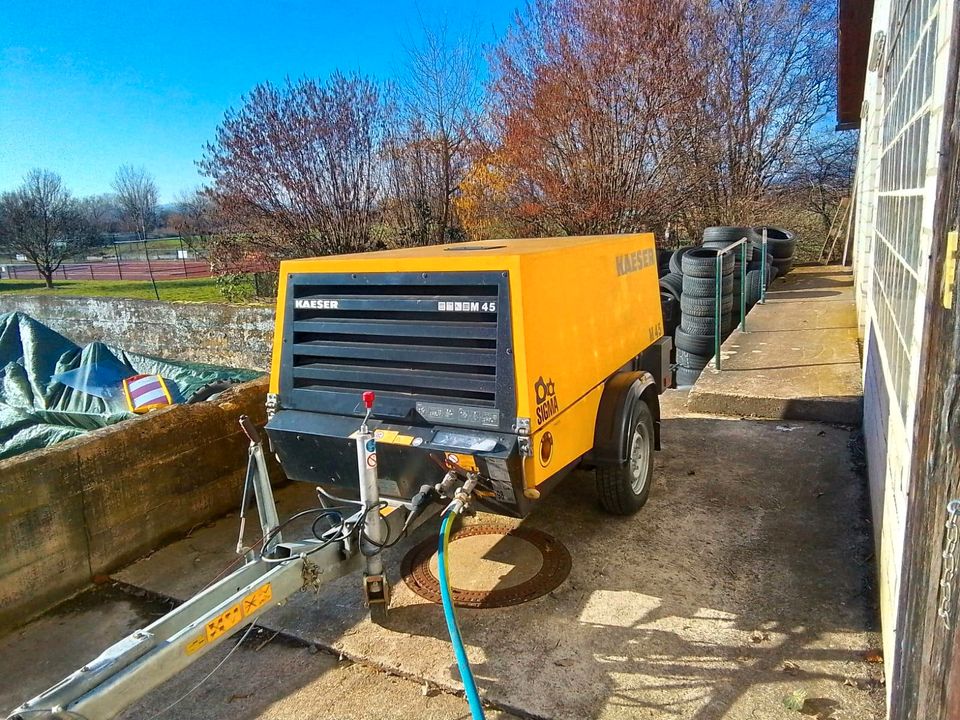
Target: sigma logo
<point x="638" y="260"/>
<point x="309" y="304"/>
<point x="547" y="405"/>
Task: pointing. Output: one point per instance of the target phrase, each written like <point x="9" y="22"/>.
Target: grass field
<point x="196" y="290"/>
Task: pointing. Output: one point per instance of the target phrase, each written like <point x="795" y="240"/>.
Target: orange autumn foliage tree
<point x="483" y="200"/>
<point x="586" y="94"/>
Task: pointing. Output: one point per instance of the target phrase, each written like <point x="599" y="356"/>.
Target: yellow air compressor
<point x="512" y="360"/>
<point x="479" y="372"/>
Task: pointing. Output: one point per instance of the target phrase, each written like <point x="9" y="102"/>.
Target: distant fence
<point x="137" y="270"/>
<point x="105" y="270"/>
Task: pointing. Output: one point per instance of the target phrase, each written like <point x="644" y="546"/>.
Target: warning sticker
<point x="500" y="481"/>
<point x="231" y="617"/>
<point x="462" y="462"/>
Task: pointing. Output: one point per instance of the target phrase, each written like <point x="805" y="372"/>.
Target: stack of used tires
<point x="695" y="338"/>
<point x="687" y="288"/>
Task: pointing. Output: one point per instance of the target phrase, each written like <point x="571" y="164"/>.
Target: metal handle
<point x="249" y="429"/>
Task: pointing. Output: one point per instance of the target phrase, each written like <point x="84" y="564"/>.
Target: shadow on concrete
<point x="816" y="279"/>
<point x="795" y="294"/>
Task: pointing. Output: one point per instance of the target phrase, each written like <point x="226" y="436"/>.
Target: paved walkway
<point x="799" y="358"/>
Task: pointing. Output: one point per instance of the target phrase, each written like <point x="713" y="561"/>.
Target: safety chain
<point x="949" y="561"/>
<point x="311" y="576"/>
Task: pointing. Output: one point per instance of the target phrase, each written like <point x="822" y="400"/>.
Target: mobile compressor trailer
<point x="518" y="358"/>
<point x="478" y="372"/>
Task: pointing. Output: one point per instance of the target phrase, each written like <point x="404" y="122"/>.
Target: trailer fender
<point x="621" y="392"/>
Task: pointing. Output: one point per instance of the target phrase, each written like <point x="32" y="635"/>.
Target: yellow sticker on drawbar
<point x="224" y="622"/>
<point x="257" y="599"/>
<point x="198" y="642"/>
<point x="231" y="617"/>
<point x="403" y="440"/>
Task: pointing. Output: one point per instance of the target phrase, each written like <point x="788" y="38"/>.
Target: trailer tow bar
<point x="132" y="667"/>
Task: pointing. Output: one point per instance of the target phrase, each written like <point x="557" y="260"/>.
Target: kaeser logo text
<point x="306" y="304"/>
<point x="637" y="260"/>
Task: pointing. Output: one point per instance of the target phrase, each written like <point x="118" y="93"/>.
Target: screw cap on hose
<point x="368" y="398"/>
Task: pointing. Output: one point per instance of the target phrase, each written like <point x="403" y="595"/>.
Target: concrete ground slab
<point x="267" y="677"/>
<point x="743" y="580"/>
<point x="799" y="358"/>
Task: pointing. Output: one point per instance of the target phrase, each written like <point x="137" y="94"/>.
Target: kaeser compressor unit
<point x="513" y="359"/>
<point x="404" y="382"/>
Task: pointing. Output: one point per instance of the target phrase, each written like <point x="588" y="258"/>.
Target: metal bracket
<point x="526" y="447"/>
<point x="949" y="270"/>
<point x="272" y="404"/>
<point x="376" y="590"/>
<point x="877" y="51"/>
<point x="523" y="426"/>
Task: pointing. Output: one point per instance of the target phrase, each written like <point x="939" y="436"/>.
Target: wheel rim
<point x="639" y="458"/>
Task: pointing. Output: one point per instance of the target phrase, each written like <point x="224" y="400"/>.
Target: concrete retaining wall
<point x="88" y="506"/>
<point x="231" y="335"/>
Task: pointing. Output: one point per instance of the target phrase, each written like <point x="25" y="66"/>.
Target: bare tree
<point x="195" y="219"/>
<point x="823" y="173"/>
<point x="100" y="213"/>
<point x="769" y="69"/>
<point x="295" y="170"/>
<point x="42" y="221"/>
<point x="588" y="98"/>
<point x="434" y="120"/>
<point x="137" y="194"/>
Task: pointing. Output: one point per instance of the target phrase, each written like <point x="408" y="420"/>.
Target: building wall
<point x="237" y="336"/>
<point x="896" y="188"/>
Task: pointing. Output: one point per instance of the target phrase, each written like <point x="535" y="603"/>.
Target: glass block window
<point x="907" y="93"/>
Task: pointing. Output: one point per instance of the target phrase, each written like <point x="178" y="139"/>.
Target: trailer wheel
<point x="624" y="487"/>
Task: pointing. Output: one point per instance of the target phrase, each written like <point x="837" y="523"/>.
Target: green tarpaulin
<point x="52" y="390"/>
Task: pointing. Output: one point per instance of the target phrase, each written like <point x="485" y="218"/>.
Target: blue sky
<point x="86" y="87"/>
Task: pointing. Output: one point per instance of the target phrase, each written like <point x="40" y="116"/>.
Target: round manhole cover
<point x="490" y="566"/>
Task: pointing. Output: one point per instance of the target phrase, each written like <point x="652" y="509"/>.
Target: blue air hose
<point x="469" y="686"/>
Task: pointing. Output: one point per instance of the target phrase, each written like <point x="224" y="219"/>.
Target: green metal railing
<point x="718" y="291"/>
<point x="718" y="309"/>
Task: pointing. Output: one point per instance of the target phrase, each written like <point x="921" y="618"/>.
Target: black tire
<point x="705" y="306"/>
<point x="624" y="488"/>
<point x="691" y="361"/>
<point x="753" y="288"/>
<point x="758" y="260"/>
<point x="780" y="243"/>
<point x="210" y="390"/>
<point x="783" y="266"/>
<point x="722" y="236"/>
<point x="726" y="234"/>
<point x="695" y="325"/>
<point x="781" y="249"/>
<point x="706" y="287"/>
<point x="673" y="284"/>
<point x="675" y="259"/>
<point x="670" y="310"/>
<point x="687" y="376"/>
<point x="774" y="233"/>
<point x="696" y="344"/>
<point x="702" y="263"/>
